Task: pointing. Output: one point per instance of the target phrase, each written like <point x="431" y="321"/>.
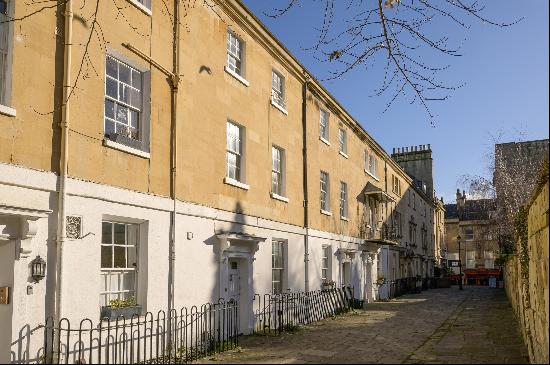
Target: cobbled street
<point x="475" y="325"/>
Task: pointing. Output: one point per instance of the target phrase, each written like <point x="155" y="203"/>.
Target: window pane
<point x="112" y="67"/>
<point x="109" y="109"/>
<point x="136" y="79"/>
<point x="277" y="288"/>
<point x="122" y="114"/>
<point x="128" y="282"/>
<point x="135" y="98"/>
<point x="124" y="93"/>
<point x="106" y="257"/>
<point x="120" y="234"/>
<point x="111" y="87"/>
<point x="109" y="127"/>
<point x="119" y="257"/>
<point x="124" y="73"/>
<point x="132" y="257"/>
<point x="277" y="275"/>
<point x="106" y="229"/>
<point x="134" y="118"/>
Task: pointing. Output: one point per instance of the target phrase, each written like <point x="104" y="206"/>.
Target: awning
<point x="371" y="190"/>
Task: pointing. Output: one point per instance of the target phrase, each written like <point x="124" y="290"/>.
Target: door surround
<point x="242" y="247"/>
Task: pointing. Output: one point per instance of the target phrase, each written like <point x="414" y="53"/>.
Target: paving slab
<point x="475" y="325"/>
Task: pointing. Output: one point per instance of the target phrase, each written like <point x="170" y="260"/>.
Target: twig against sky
<point x="394" y="35"/>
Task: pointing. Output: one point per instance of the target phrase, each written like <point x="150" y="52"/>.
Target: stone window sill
<point x="279" y="197"/>
<point x="237" y="76"/>
<point x="236" y="183"/>
<point x="6" y="110"/>
<point x="324" y="141"/>
<point x="325" y="212"/>
<point x="344" y="219"/>
<point x="124" y="148"/>
<point x="343" y="154"/>
<point x="141" y="7"/>
<point x="283" y="110"/>
<point x="371" y="175"/>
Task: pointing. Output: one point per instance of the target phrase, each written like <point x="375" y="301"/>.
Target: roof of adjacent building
<point x="473" y="210"/>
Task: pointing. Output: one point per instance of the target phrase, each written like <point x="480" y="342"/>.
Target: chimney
<point x="460" y="202"/>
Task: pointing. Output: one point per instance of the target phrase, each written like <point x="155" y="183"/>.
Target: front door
<point x="234" y="281"/>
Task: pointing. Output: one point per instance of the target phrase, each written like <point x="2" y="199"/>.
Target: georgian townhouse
<point x="177" y="165"/>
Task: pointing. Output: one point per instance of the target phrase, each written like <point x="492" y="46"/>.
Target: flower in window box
<point x="328" y="284"/>
<point x="121" y="309"/>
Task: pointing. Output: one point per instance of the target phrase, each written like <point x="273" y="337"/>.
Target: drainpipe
<point x="174" y="82"/>
<point x="63" y="163"/>
<point x="306" y="199"/>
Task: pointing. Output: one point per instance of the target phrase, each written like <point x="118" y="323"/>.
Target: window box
<point x="328" y="284"/>
<point x="112" y="314"/>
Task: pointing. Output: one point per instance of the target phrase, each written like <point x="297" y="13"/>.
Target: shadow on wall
<point x="22" y="349"/>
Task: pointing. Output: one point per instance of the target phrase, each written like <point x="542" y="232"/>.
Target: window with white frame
<point x="396" y="185"/>
<point x="470" y="259"/>
<point x="489" y="259"/>
<point x="234" y="151"/>
<point x="278" y="89"/>
<point x="123" y="101"/>
<point x="373" y="165"/>
<point x="343" y="199"/>
<point x="325" y="188"/>
<point x="469" y="232"/>
<point x="277" y="266"/>
<point x="6" y="27"/>
<point x="277" y="173"/>
<point x="145" y="3"/>
<point x="325" y="264"/>
<point x="343" y="140"/>
<point x="323" y="124"/>
<point x="119" y="261"/>
<point x="235" y="54"/>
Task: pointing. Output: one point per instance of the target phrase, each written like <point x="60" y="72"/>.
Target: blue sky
<point x="504" y="72"/>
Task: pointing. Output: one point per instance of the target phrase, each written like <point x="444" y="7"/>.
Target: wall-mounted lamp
<point x="38" y="269"/>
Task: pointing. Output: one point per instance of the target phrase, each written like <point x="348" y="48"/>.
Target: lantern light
<point x="38" y="269"/>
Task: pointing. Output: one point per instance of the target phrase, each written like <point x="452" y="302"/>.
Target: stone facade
<point x="163" y="179"/>
<point x="473" y="221"/>
<point x="529" y="298"/>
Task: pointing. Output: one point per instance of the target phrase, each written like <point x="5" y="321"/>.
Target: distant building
<point x="516" y="169"/>
<point x="473" y="221"/>
<point x="417" y="162"/>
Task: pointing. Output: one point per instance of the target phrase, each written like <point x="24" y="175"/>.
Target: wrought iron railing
<point x="277" y="313"/>
<point x="165" y="337"/>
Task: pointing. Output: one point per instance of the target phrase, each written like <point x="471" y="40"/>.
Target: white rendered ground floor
<point x="120" y="249"/>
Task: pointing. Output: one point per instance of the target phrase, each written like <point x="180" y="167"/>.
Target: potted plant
<point x="328" y="284"/>
<point x="125" y="308"/>
<point x="380" y="280"/>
